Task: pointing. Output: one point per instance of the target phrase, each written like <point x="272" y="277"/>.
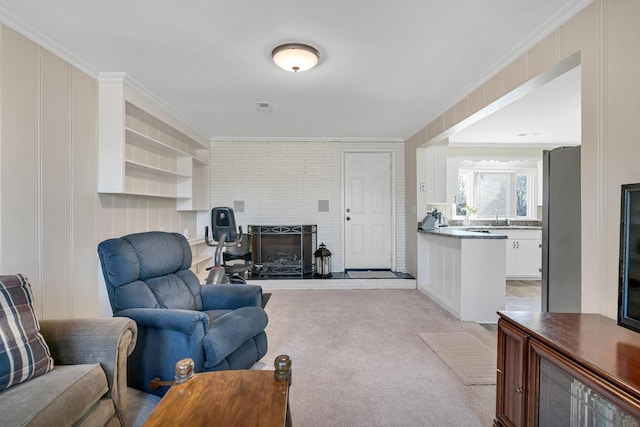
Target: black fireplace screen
<point x="283" y="250"/>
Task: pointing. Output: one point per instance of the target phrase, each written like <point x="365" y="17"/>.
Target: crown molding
<point x="393" y="140"/>
<point x="550" y="25"/>
<point x="121" y="77"/>
<point x="45" y="42"/>
<point x="514" y="144"/>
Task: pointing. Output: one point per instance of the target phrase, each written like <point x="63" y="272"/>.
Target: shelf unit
<point x="144" y="150"/>
<point x="201" y="258"/>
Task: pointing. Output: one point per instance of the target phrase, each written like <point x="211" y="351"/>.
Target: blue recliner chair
<point x="148" y="280"/>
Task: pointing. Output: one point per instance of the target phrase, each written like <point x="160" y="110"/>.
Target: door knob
<point x="348" y="218"/>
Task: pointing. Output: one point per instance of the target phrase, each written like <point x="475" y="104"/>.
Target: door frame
<point x="393" y="195"/>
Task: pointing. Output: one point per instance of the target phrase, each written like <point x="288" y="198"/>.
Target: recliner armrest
<point x="184" y="321"/>
<point x="107" y="341"/>
<point x="231" y="296"/>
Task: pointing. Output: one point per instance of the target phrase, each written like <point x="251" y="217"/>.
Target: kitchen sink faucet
<point x="506" y="220"/>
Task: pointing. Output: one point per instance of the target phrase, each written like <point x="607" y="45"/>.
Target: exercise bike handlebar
<point x="214" y="244"/>
<point x="220" y="244"/>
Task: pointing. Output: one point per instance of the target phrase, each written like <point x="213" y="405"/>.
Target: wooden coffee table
<point x="225" y="398"/>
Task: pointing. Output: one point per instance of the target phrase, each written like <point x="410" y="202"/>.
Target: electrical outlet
<point x="423" y="186"/>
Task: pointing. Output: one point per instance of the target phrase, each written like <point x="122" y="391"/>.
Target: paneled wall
<point x="51" y="216"/>
<point x="48" y="180"/>
<point x="605" y="37"/>
<point x="120" y="214"/>
<point x="281" y="183"/>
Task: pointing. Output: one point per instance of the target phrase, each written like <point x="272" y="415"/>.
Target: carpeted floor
<point x="139" y="406"/>
<point x="358" y="360"/>
<point x="470" y="359"/>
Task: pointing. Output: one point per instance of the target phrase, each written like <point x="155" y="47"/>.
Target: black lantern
<point x="323" y="261"/>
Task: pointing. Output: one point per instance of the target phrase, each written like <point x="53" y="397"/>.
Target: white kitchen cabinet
<point x="524" y="254"/>
<point x="463" y="272"/>
<point x="145" y="150"/>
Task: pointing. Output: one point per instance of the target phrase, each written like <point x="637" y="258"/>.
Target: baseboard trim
<point x="333" y="284"/>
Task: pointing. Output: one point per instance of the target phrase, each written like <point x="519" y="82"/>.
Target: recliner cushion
<point x="150" y="270"/>
<point x="119" y="261"/>
<point x="134" y="295"/>
<point x="170" y="292"/>
<point x="229" y="331"/>
<point x="160" y="253"/>
<point x="214" y="314"/>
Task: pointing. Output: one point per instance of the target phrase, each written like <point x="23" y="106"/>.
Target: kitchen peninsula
<point x="463" y="271"/>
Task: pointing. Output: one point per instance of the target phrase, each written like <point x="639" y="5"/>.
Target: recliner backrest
<point x="150" y="270"/>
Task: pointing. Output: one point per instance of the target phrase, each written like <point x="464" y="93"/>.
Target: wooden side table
<point x="228" y="398"/>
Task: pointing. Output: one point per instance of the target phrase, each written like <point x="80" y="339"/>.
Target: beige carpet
<point x="358" y="360"/>
<point x="470" y="359"/>
<point x="372" y="275"/>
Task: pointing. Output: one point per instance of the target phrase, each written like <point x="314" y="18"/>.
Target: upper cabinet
<point x="145" y="150"/>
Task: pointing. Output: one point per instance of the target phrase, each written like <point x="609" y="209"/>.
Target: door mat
<point x="371" y="275"/>
<point x="470" y="359"/>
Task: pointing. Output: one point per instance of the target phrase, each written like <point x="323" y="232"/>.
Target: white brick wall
<point x="281" y="183"/>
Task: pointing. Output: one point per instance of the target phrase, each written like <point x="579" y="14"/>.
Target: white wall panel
<point x="84" y="203"/>
<point x="20" y="160"/>
<point x="52" y="217"/>
<point x="55" y="176"/>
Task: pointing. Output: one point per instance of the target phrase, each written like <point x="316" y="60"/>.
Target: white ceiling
<point x="386" y="68"/>
<point x="547" y="116"/>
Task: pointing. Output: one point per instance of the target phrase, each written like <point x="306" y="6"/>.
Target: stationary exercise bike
<point x="223" y="230"/>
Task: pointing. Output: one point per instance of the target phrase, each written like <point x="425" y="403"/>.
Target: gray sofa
<point x="88" y="385"/>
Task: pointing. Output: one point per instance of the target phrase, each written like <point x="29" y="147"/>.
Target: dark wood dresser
<point x="566" y="369"/>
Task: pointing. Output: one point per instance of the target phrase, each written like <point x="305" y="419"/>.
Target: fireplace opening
<point x="283" y="250"/>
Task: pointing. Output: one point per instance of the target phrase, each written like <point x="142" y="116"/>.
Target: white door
<point x="368" y="211"/>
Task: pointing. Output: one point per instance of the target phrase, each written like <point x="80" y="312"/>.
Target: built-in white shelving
<point x="201" y="258"/>
<point x="144" y="150"/>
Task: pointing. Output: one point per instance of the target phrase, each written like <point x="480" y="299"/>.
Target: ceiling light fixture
<point x="295" y="57"/>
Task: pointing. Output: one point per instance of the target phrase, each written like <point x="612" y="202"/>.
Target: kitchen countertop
<point x="461" y="233"/>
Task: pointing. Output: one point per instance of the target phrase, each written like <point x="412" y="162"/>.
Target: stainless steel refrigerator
<point x="561" y="261"/>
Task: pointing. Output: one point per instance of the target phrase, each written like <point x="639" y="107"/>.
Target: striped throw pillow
<point x="23" y="352"/>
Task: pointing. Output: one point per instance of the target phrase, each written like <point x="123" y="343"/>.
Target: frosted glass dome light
<point x="295" y="57"/>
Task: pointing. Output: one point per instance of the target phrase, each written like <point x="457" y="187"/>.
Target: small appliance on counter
<point x="429" y="222"/>
<point x="445" y="211"/>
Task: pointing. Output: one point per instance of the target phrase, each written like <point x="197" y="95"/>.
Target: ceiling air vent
<point x="264" y="107"/>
